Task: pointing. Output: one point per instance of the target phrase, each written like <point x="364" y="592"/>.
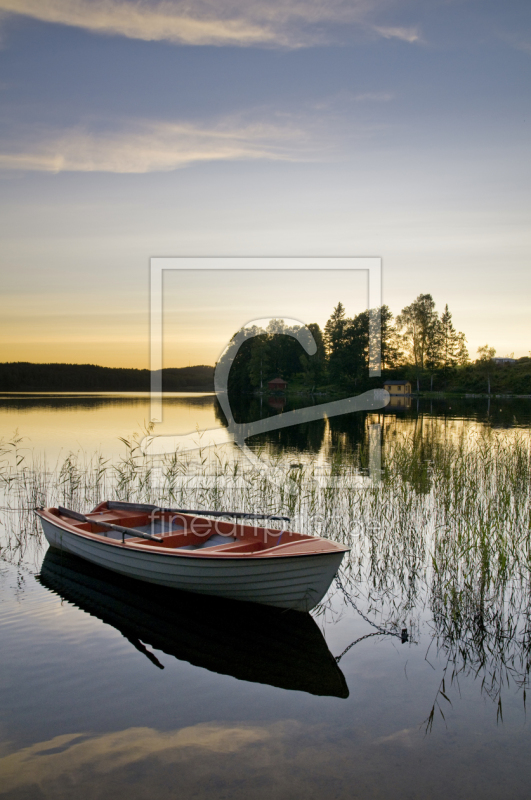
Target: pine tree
<point x="334" y="339"/>
<point x="391" y="354"/>
<point x="463" y="357"/>
<point x="449" y="340"/>
<point x="335" y="329"/>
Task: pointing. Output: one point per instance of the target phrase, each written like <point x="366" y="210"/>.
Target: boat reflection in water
<point x="251" y="642"/>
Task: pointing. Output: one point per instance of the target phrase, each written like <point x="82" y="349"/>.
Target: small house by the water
<point x="277" y="385"/>
<point x="400" y="388"/>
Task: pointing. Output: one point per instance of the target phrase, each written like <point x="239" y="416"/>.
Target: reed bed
<point x="439" y="537"/>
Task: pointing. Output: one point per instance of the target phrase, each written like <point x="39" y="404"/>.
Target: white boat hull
<point x="297" y="582"/>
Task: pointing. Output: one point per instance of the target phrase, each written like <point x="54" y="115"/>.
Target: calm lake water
<point x="111" y="689"/>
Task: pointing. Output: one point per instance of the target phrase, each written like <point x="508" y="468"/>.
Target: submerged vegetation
<point x="440" y="534"/>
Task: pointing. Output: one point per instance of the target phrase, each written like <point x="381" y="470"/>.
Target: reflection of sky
<point x="378" y="128"/>
<point x="87" y="424"/>
<point x="90" y="424"/>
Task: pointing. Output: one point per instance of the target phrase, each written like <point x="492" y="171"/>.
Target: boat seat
<point x="213" y="541"/>
<point x="158" y="528"/>
<point x="241" y="547"/>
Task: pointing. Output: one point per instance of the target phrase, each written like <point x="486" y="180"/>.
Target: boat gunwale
<point x="276" y="551"/>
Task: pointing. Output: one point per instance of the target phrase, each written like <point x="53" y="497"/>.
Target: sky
<point x="296" y="128"/>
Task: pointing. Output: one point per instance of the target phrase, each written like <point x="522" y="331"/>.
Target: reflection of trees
<point x="343" y="440"/>
<point x="348" y="439"/>
<point x="305" y="438"/>
<point x="218" y="413"/>
<point x="73" y="402"/>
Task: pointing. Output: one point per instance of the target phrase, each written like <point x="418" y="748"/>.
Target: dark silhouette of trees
<point x="314" y="369"/>
<point x="27" y="377"/>
<point x="419" y="344"/>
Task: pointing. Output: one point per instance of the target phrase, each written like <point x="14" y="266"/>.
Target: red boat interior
<point x="187" y="532"/>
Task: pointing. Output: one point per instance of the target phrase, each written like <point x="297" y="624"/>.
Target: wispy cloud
<point x="154" y="147"/>
<point x="166" y="21"/>
<point x="404" y="34"/>
<point x="285" y="23"/>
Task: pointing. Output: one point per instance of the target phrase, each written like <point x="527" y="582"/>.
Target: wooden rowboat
<point x="206" y="556"/>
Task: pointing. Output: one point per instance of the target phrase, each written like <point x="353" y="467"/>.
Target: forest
<point x="26" y="377"/>
<point x="419" y="344"/>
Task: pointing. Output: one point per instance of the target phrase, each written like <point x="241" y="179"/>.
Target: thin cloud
<point x="284" y="23"/>
<point x="155" y="147"/>
<point x="410" y="35"/>
<point x="165" y="21"/>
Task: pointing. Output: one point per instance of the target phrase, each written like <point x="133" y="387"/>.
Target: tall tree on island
<point x="391" y="353"/>
<point x="453" y="344"/>
<point x="463" y="357"/>
<point x="357" y="341"/>
<point x="420" y="328"/>
<point x="334" y="333"/>
<point x="348" y="344"/>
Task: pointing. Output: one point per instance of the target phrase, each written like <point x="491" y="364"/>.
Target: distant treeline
<point x="418" y="344"/>
<point x="26" y="377"/>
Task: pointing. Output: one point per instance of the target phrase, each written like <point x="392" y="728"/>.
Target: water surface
<point x="111" y="688"/>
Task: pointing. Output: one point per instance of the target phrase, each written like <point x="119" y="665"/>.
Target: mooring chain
<point x="367" y="636"/>
<point x="403" y="635"/>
